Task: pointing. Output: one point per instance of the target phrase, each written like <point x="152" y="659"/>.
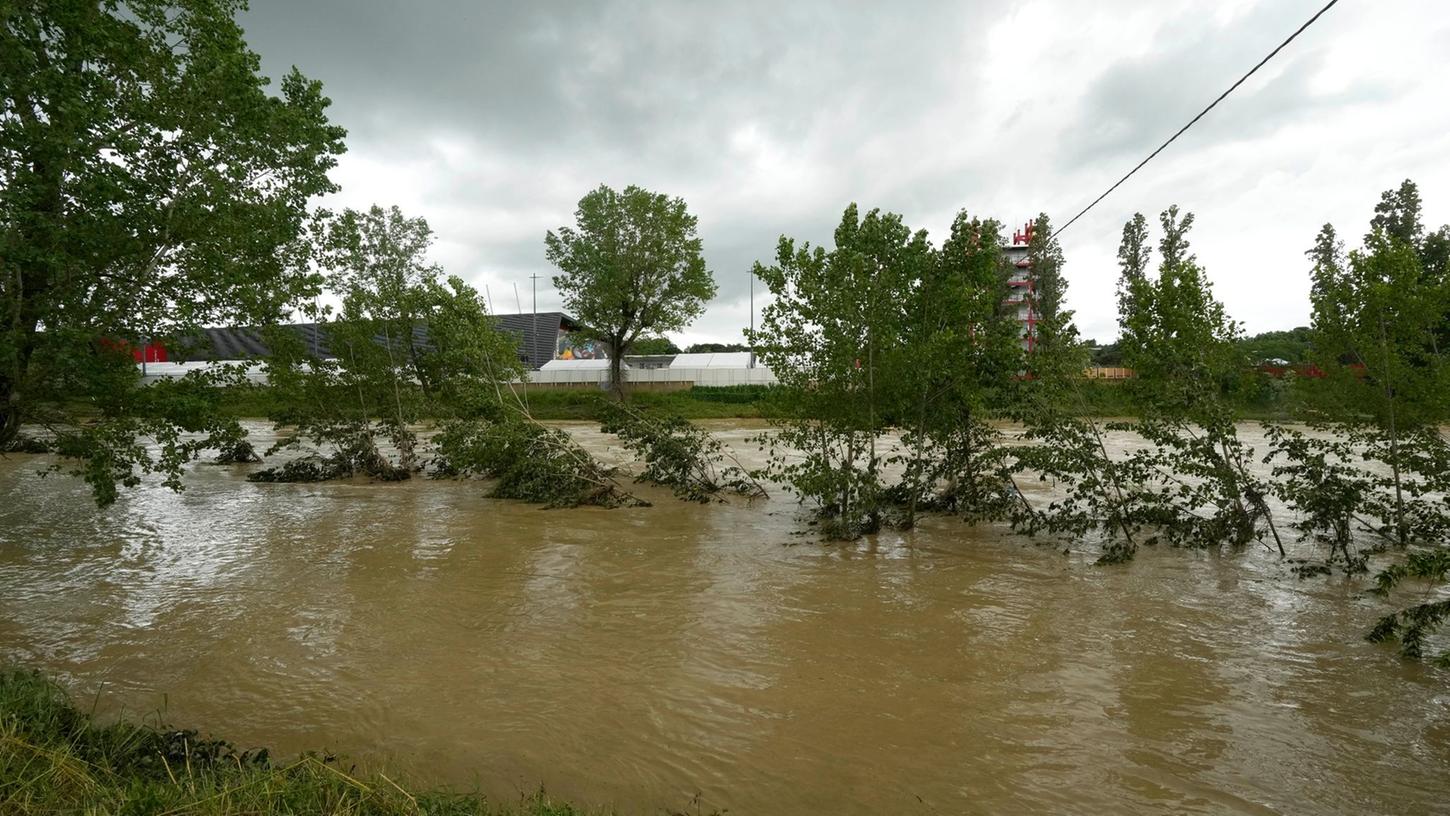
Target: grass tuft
<point x="55" y="759"/>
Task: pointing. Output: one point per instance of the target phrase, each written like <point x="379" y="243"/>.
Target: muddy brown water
<point x="639" y="657"/>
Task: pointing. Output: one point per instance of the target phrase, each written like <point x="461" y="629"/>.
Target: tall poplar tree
<point x="1379" y="323"/>
<point x="833" y="336"/>
<point x="1188" y="362"/>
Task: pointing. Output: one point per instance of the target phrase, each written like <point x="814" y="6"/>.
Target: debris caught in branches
<point x="678" y="455"/>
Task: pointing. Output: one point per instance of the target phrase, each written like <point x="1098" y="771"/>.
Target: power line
<point x="1194" y="120"/>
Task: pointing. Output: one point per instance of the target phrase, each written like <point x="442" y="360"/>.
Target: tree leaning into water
<point x="630" y="265"/>
<point x="403" y="345"/>
<point x="1185" y="352"/>
<point x="149" y="185"/>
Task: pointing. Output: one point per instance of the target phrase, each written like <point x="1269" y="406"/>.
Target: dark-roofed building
<point x="539" y="339"/>
<point x="540" y="336"/>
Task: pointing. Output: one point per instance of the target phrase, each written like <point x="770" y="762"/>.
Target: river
<point x="639" y="657"/>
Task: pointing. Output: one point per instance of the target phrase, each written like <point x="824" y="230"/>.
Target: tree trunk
<point x="1401" y="529"/>
<point x="616" y="367"/>
<point x="9" y="414"/>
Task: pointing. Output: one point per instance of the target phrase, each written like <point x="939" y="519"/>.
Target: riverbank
<point x="55" y="758"/>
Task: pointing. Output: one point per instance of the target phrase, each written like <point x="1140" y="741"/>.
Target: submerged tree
<point x="832" y="335"/>
<point x="1376" y="471"/>
<point x="884" y="330"/>
<point x="1186" y="356"/>
<point x="631" y="265"/>
<point x="401" y="344"/>
<point x="1067" y="446"/>
<point x="1379" y="315"/>
<point x="149" y="185"/>
<point x="960" y="349"/>
<point x="677" y="454"/>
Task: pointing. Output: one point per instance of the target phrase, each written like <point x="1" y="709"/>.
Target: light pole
<point x="752" y="318"/>
<point x="534" y="336"/>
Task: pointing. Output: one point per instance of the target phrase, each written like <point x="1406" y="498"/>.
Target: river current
<point x="686" y="655"/>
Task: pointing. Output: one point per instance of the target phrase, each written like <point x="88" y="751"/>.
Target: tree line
<point x="898" y="362"/>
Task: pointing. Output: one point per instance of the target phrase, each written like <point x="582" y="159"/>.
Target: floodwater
<point x="641" y="657"/>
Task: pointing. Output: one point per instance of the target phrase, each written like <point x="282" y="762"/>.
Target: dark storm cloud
<point x="622" y="77"/>
<point x="492" y="119"/>
<point x="655" y="94"/>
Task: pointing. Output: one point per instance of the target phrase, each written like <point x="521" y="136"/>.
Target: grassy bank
<point x="742" y="402"/>
<point x="54" y="758"/>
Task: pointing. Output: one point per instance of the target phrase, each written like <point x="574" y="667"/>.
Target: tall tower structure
<point x="1021" y="297"/>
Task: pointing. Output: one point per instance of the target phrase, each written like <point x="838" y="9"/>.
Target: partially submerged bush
<point x="677" y="454"/>
<point x="531" y="462"/>
<point x="306" y="469"/>
<point x="1413" y="625"/>
<point x="28" y="444"/>
<point x="1102" y="495"/>
<point x="241" y="453"/>
<point x="354" y="452"/>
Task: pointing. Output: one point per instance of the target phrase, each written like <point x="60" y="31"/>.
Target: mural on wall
<point x="574" y="347"/>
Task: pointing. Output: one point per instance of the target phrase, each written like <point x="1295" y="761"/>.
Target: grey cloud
<point x="1136" y="104"/>
<point x="769" y="117"/>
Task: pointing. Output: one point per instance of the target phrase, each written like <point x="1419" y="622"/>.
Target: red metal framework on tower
<point x="1022" y="286"/>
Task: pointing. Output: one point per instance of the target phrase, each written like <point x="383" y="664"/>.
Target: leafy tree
<point x="1134" y="255"/>
<point x="715" y="348"/>
<point x="1292" y="346"/>
<point x="1397" y="216"/>
<point x="833" y="335"/>
<point x="1379" y="315"/>
<point x="1049" y="291"/>
<point x="630" y="265"/>
<point x="402" y="343"/>
<point x="1185" y="352"/>
<point x="149" y="185"/>
<point x="1110" y="355"/>
<point x="960" y="347"/>
<point x="886" y="330"/>
<point x="1067" y="445"/>
<point x="655" y="345"/>
<point x="1374" y="470"/>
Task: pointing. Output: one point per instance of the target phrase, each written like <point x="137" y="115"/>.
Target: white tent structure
<point x="727" y="368"/>
<point x="727" y="359"/>
<point x="576" y="365"/>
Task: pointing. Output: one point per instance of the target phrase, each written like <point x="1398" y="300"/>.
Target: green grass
<point x="693" y="403"/>
<point x="260" y="402"/>
<point x="54" y="758"/>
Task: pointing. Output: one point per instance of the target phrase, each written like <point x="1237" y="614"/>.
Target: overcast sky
<point x="492" y="120"/>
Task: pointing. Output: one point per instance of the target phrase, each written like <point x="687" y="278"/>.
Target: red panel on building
<point x="149" y="353"/>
